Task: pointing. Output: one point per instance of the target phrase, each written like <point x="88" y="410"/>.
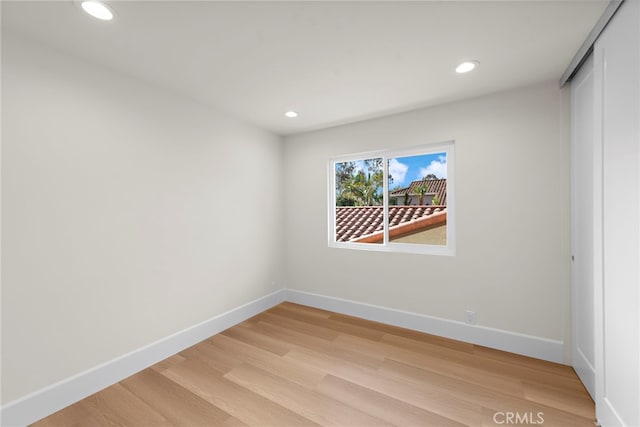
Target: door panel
<point x="617" y="78"/>
<point x="582" y="169"/>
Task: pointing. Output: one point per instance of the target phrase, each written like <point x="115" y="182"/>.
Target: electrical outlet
<point x="470" y="317"/>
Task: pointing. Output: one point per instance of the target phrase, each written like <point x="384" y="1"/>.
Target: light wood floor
<point x="294" y="365"/>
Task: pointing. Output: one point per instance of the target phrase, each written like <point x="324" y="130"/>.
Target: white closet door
<point x="582" y="191"/>
<point x="617" y="244"/>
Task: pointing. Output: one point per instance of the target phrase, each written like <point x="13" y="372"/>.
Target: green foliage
<point x="435" y="200"/>
<point x="344" y="172"/>
<point x="355" y="187"/>
<point x="420" y="190"/>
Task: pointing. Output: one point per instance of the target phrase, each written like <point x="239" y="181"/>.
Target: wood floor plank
<point x="174" y="402"/>
<point x="578" y="403"/>
<point x="314" y="330"/>
<point x="259" y="340"/>
<point x="405" y="333"/>
<point x="116" y="406"/>
<point x="345" y="328"/>
<point x="486" y="397"/>
<point x="335" y="325"/>
<point x="489" y="364"/>
<point x="235" y="400"/>
<point x="310" y="404"/>
<point x="168" y="362"/>
<point x="300" y="374"/>
<point x="294" y="309"/>
<point x="300" y="340"/>
<point x="292" y="338"/>
<point x="74" y="414"/>
<point x="529" y="362"/>
<point x="459" y="410"/>
<point x="294" y="365"/>
<point x="443" y="366"/>
<point x="234" y="422"/>
<point x="210" y="355"/>
<point x="381" y="405"/>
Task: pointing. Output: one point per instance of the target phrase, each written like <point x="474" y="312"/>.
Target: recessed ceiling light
<point x="466" y="66"/>
<point x="291" y="114"/>
<point x="97" y="9"/>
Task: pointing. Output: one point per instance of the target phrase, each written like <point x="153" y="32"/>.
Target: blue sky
<point x="407" y="169"/>
<point x="404" y="170"/>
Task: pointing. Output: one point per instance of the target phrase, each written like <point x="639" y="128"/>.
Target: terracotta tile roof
<point x="434" y="186"/>
<point x="360" y="223"/>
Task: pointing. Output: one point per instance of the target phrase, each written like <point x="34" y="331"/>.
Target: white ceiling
<point x="333" y="62"/>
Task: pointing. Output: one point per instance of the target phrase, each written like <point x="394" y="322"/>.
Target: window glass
<point x="418" y="199"/>
<point x="359" y="201"/>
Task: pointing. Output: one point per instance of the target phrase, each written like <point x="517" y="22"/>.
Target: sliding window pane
<point x="418" y="199"/>
<point x="359" y="199"/>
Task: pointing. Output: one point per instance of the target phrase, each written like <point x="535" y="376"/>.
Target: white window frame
<point x="449" y="249"/>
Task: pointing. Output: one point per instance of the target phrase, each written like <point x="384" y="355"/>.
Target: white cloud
<point x="397" y="171"/>
<point x="436" y="167"/>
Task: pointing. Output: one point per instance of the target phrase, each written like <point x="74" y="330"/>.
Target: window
<point x="394" y="200"/>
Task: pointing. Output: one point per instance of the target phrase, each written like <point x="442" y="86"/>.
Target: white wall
<point x="129" y="213"/>
<point x="512" y="263"/>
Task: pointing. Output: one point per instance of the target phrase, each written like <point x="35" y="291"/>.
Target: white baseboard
<point x="527" y="345"/>
<point x="48" y="400"/>
<point x="585" y="370"/>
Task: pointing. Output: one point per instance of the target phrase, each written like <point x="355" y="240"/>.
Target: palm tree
<point x="359" y="188"/>
<point x="420" y="190"/>
<point x="363" y="189"/>
<point x="407" y="198"/>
